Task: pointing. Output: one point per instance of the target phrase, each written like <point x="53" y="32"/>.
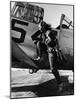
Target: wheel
<point x="31" y="71"/>
<point x="35" y="70"/>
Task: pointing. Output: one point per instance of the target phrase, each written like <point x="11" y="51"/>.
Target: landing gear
<point x="31" y="71"/>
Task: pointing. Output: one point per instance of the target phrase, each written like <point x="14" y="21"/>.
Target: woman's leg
<point x="54" y="68"/>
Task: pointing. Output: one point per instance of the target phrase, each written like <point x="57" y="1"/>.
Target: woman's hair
<point x="45" y="26"/>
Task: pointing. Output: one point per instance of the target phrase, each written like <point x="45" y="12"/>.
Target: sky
<point x="52" y="12"/>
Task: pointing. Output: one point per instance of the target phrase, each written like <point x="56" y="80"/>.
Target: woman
<point x="52" y="48"/>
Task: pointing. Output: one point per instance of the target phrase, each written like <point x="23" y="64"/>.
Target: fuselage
<point x="23" y="28"/>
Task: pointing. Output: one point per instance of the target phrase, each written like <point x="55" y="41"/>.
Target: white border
<point x="5" y="49"/>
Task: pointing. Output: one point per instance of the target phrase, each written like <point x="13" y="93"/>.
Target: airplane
<point x="25" y="20"/>
<point x="66" y="41"/>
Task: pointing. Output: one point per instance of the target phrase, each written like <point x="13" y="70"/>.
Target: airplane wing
<point x="20" y="55"/>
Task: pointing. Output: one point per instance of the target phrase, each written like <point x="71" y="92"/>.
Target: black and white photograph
<point x="42" y="49"/>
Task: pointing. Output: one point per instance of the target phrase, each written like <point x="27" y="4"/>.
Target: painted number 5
<point x="18" y="29"/>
